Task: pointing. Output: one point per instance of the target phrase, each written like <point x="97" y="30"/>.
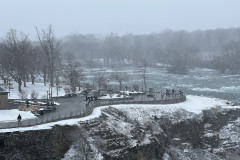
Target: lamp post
<point x="50" y="91"/>
<point x="142" y="85"/>
<point x="47" y="98"/>
<point x="108" y="84"/>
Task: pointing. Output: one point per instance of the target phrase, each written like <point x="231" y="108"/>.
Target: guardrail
<point x="89" y="109"/>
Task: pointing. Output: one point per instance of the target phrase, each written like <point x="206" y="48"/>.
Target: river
<point x="199" y="81"/>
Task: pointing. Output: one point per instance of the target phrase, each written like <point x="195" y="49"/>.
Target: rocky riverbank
<point x="134" y="134"/>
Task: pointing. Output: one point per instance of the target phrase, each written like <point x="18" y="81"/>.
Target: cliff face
<point x="214" y="134"/>
<point x="38" y="144"/>
<point x="176" y="135"/>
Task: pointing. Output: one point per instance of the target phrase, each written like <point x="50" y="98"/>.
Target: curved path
<point x="75" y="107"/>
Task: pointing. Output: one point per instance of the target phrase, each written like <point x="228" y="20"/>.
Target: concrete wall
<point x="3" y="101"/>
<point x="39" y="144"/>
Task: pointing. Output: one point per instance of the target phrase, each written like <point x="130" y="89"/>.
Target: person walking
<point x="19" y="118"/>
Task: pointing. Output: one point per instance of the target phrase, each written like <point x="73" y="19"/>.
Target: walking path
<point x="76" y="107"/>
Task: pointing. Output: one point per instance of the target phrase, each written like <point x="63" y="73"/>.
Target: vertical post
<point x="51" y="92"/>
<point x="57" y="81"/>
<point x="47" y="98"/>
<point x="9" y="87"/>
<point x="57" y="89"/>
<point x="49" y="89"/>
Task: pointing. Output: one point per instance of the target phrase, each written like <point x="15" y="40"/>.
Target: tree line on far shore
<point x="22" y="59"/>
<point x="177" y="51"/>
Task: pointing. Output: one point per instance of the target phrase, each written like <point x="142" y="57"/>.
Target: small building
<point x="3" y="99"/>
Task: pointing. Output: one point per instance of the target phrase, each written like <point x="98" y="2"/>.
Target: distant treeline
<point x="176" y="50"/>
<point x="22" y="59"/>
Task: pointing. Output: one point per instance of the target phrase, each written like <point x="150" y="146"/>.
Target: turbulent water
<point x="205" y="82"/>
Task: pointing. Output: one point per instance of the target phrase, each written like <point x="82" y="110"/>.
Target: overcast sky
<point x="117" y="16"/>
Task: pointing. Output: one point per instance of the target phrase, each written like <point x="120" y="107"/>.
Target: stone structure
<point x="3" y="99"/>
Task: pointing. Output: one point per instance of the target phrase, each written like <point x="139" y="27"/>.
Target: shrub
<point x="67" y="90"/>
<point x="34" y="95"/>
<point x="23" y="94"/>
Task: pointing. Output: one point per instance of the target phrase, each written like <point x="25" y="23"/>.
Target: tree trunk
<point x="32" y="78"/>
<point x="24" y="81"/>
<point x="145" y="85"/>
<point x="57" y="83"/>
<point x="19" y="85"/>
<point x="120" y="86"/>
<point x="27" y="77"/>
<point x="44" y="78"/>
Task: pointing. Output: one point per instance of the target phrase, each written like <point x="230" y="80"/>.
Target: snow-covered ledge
<point x="195" y="104"/>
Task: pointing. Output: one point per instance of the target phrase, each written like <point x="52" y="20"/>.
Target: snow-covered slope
<point x="199" y="128"/>
<point x="165" y="131"/>
<point x="140" y="112"/>
<point x="39" y="88"/>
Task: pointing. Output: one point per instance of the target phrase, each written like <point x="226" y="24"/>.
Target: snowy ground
<point x="113" y="96"/>
<point x="37" y="87"/>
<point x="193" y="104"/>
<point x="96" y="113"/>
<point x="11" y="115"/>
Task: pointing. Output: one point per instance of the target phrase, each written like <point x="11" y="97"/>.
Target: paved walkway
<point x="76" y="107"/>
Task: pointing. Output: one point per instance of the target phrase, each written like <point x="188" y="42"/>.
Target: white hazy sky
<point x="117" y="16"/>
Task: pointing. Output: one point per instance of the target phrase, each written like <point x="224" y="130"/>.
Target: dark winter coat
<point x="19" y="117"/>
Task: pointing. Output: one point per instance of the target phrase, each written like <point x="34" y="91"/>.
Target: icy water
<point x="205" y="82"/>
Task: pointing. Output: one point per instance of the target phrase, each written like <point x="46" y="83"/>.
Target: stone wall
<point x="3" y="101"/>
<point x="38" y="144"/>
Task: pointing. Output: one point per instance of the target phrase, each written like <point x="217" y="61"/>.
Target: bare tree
<point x="23" y="94"/>
<point x="120" y="77"/>
<point x="42" y="63"/>
<point x="73" y="72"/>
<point x="100" y="79"/>
<point x="36" y="62"/>
<point x="15" y="55"/>
<point x="51" y="48"/>
<point x="143" y="75"/>
<point x="229" y="60"/>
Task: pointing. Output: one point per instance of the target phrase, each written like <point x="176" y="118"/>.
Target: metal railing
<point x="87" y="110"/>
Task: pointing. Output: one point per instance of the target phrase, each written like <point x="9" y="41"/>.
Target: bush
<point x="34" y="95"/>
<point x="23" y="94"/>
<point x="135" y="87"/>
<point x="67" y="90"/>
